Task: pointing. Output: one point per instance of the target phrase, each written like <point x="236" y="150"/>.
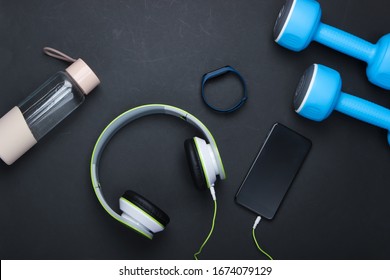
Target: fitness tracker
<point x="220" y="72"/>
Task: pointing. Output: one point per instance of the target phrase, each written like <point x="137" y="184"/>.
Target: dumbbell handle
<point x="364" y="110"/>
<point x="344" y="42"/>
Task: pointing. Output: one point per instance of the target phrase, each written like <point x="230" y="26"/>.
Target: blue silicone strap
<point x="217" y="73"/>
<point x="345" y="42"/>
<point x="364" y="110"/>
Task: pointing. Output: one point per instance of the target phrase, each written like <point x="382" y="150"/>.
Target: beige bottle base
<point x="15" y="136"/>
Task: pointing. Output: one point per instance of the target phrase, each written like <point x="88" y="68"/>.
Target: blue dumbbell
<point x="319" y="93"/>
<point x="299" y="23"/>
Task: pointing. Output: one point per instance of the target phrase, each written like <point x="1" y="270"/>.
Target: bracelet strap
<point x="220" y="72"/>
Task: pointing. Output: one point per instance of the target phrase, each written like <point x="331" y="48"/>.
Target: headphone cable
<point x="212" y="224"/>
<point x="257" y="221"/>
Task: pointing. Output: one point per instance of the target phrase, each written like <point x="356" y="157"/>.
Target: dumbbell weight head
<point x="297" y="22"/>
<point x="378" y="69"/>
<point x="317" y="93"/>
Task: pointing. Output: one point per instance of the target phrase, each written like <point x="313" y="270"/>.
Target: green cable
<point x="258" y="247"/>
<point x="211" y="231"/>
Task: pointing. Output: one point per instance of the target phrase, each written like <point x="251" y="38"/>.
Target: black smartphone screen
<point x="273" y="171"/>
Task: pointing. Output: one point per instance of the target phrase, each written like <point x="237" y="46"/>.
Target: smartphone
<point x="273" y="171"/>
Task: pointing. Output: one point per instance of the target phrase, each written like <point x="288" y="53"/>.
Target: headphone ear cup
<point x="143" y="211"/>
<point x="195" y="164"/>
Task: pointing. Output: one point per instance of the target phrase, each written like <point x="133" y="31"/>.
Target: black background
<point x="156" y="51"/>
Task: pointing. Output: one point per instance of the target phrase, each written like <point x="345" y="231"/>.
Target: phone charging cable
<point x="257" y="221"/>
<point x="213" y="195"/>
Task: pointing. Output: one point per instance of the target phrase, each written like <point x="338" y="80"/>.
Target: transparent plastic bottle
<point x="50" y="104"/>
<point x="23" y="126"/>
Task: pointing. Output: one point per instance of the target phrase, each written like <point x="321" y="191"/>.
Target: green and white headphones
<point x="203" y="158"/>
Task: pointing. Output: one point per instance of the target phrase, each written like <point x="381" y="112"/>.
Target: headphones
<point x="204" y="161"/>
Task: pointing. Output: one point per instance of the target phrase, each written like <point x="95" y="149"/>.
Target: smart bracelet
<point x="220" y="72"/>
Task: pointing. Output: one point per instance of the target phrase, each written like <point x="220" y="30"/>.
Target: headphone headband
<point x="123" y="120"/>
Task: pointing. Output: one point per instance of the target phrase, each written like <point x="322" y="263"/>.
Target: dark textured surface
<point x="156" y="51"/>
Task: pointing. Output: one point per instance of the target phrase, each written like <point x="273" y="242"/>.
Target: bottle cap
<point x="15" y="136"/>
<point x="85" y="78"/>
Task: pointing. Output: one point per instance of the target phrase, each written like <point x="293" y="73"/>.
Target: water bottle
<point x="24" y="125"/>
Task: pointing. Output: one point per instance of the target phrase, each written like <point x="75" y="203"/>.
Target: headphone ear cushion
<point x="195" y="164"/>
<point x="147" y="206"/>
